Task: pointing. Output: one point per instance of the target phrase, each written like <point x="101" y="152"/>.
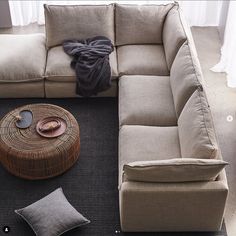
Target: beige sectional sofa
<point x="171" y="173"/>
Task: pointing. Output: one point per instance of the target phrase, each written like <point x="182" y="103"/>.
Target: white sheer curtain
<point x="228" y="51"/>
<point x="198" y="13"/>
<point x="26" y="12"/>
<point x="201" y="13"/>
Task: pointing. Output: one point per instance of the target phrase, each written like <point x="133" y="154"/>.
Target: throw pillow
<point x="196" y="130"/>
<point x="174" y="170"/>
<point x="52" y="215"/>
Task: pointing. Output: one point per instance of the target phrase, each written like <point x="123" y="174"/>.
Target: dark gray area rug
<point x="90" y="185"/>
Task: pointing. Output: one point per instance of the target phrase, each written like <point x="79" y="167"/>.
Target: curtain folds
<point x="201" y="13"/>
<point x="228" y="51"/>
<point x="198" y="13"/>
<point x="26" y="12"/>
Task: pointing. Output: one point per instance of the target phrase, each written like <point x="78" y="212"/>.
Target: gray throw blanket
<point x="91" y="64"/>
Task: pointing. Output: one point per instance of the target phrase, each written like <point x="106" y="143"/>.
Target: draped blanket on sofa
<point x="91" y="64"/>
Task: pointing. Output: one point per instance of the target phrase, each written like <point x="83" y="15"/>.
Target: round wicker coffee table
<point x="26" y="154"/>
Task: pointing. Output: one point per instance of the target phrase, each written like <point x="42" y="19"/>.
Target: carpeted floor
<point x="90" y="185"/>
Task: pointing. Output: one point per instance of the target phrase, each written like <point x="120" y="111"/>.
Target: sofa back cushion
<point x="185" y="77"/>
<point x="78" y="22"/>
<point x="173" y="35"/>
<point x="173" y="170"/>
<point x="140" y="24"/>
<point x="196" y="130"/>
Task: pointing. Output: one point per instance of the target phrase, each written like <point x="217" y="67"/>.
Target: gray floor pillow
<point x="52" y="215"/>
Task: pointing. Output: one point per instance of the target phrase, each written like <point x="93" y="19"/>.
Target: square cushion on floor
<point x="22" y="58"/>
<point x="58" y="66"/>
<point x="140" y="24"/>
<point x="52" y="215"/>
<point x="185" y="77"/>
<point x="196" y="129"/>
<point x="173" y="35"/>
<point x="147" y="143"/>
<point x="142" y="60"/>
<point x="146" y="100"/>
<point x="78" y="22"/>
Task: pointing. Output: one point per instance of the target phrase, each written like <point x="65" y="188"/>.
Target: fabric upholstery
<point x="147" y="143"/>
<point x="173" y="170"/>
<point x="146" y="100"/>
<point x="196" y="130"/>
<point x="22" y="57"/>
<point x="52" y="215"/>
<point x="32" y="89"/>
<point x="58" y="66"/>
<point x="184" y="77"/>
<point x="142" y="60"/>
<point x="173" y="35"/>
<point x="140" y="24"/>
<point x="56" y="89"/>
<point x="160" y="207"/>
<point x="78" y="22"/>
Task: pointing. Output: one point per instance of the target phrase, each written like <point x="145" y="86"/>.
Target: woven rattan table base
<point x="24" y="153"/>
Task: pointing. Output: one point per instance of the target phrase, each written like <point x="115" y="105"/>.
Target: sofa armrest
<point x="195" y="206"/>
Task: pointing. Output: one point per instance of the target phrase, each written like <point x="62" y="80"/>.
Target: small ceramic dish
<point x="24" y="119"/>
<point x="51" y="127"/>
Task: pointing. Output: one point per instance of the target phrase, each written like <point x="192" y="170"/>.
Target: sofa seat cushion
<point x="22" y="58"/>
<point x="196" y="130"/>
<point x="142" y="60"/>
<point x="147" y="143"/>
<point x="146" y="100"/>
<point x="58" y="66"/>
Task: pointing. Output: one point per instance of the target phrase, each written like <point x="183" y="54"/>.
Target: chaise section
<point x="22" y="61"/>
<point x="146" y="100"/>
<point x="149" y="106"/>
<point x="142" y="60"/>
<point x="139" y="143"/>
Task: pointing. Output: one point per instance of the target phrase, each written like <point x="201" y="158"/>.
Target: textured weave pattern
<point x="28" y="155"/>
<point x="90" y="185"/>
